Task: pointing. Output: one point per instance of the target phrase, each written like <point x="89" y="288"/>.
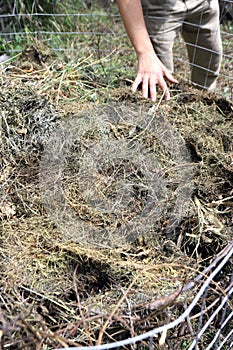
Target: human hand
<point x="152" y="72"/>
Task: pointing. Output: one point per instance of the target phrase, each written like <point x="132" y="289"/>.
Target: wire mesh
<point x="94" y="27"/>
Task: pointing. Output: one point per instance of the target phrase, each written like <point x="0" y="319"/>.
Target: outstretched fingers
<point x="149" y="86"/>
<point x="150" y="81"/>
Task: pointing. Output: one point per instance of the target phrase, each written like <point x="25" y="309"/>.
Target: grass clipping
<point x="61" y="285"/>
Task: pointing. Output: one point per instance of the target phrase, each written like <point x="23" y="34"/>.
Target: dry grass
<point x="57" y="291"/>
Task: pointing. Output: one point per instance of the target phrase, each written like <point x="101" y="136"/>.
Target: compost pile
<point x="72" y="272"/>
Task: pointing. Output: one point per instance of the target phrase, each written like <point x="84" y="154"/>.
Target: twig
<point x="163" y="301"/>
<point x="46" y="297"/>
<point x="131" y="319"/>
<point x="103" y="329"/>
<point x="59" y="87"/>
<point x="80" y="307"/>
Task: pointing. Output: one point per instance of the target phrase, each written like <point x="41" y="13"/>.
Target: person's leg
<point x="201" y="33"/>
<point x="163" y="45"/>
<point x="163" y="20"/>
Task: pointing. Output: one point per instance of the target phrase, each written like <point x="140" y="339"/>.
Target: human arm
<point x="151" y="71"/>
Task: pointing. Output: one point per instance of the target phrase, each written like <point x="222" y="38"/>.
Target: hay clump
<point x="65" y="291"/>
<point x="27" y="121"/>
<point x="60" y="282"/>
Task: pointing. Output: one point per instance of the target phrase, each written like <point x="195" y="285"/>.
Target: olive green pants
<point x="198" y="23"/>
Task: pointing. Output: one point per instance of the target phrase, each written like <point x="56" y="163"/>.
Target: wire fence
<point x="105" y="33"/>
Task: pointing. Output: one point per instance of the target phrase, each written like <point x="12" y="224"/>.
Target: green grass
<point x="100" y="37"/>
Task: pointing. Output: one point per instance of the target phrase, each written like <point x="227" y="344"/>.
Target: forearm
<point x="132" y="16"/>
